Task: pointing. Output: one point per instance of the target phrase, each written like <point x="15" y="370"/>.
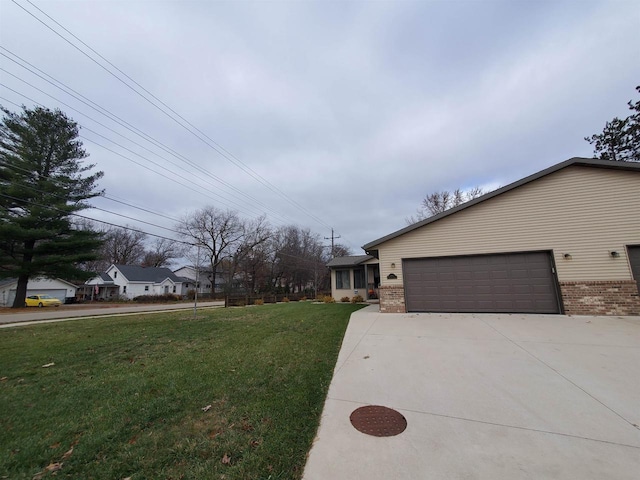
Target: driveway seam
<point x="484" y="422"/>
<point x="633" y="425"/>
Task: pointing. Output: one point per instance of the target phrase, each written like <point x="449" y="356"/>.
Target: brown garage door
<point x="513" y="282"/>
<point x="634" y="260"/>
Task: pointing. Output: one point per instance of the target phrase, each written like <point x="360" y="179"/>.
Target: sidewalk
<point x="52" y="314"/>
<point x="485" y="397"/>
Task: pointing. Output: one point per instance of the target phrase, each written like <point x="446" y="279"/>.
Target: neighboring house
<point x="101" y="287"/>
<point x="55" y="287"/>
<point x="190" y="273"/>
<point x="132" y="281"/>
<point x="564" y="240"/>
<point x="354" y="275"/>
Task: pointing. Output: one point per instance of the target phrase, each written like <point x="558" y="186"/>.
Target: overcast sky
<point x="340" y="114"/>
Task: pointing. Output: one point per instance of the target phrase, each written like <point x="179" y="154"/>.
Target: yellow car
<point x="41" y="301"/>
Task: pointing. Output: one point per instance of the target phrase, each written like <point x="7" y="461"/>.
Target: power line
<point x="103" y="111"/>
<point x="189" y="187"/>
<point x="92" y="207"/>
<point x="102" y="221"/>
<point x="211" y="143"/>
<point x="121" y="122"/>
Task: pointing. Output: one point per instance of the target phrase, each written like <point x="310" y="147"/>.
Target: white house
<point x="132" y="281"/>
<point x="55" y="287"/>
<point x="189" y="274"/>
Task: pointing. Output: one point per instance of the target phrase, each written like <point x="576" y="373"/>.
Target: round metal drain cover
<point x="378" y="421"/>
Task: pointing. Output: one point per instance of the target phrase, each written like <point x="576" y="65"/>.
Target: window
<point x="124" y="289"/>
<point x="358" y="278"/>
<point x="342" y="280"/>
<point x="174" y="289"/>
<point x="115" y="274"/>
<point x="146" y="288"/>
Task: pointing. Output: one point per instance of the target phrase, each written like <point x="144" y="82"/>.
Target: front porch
<point x="355" y="275"/>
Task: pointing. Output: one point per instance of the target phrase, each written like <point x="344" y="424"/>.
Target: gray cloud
<point x="355" y="110"/>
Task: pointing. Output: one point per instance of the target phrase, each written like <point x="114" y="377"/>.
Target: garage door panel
<point x="521" y="282"/>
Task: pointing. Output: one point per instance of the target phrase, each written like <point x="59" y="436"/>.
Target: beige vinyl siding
<point x="584" y="211"/>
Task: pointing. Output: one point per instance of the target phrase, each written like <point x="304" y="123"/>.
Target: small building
<point x="354" y="275"/>
<point x="563" y="240"/>
<point x="55" y="287"/>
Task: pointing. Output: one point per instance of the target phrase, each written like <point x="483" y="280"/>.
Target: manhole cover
<point x="378" y="421"/>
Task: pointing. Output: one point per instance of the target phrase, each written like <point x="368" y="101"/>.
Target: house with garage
<point x="55" y="287"/>
<point x="563" y="240"/>
<point x="354" y="275"/>
<point x="130" y="281"/>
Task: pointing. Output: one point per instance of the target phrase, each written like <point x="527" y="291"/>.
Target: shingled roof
<point x="134" y="273"/>
<point x="348" y="261"/>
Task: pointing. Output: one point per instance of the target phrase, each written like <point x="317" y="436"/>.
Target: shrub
<point x="258" y="301"/>
<point x="329" y="299"/>
<point x="357" y="299"/>
<point x="167" y="297"/>
<point x="345" y="299"/>
<point x="285" y="299"/>
<point x="303" y="298"/>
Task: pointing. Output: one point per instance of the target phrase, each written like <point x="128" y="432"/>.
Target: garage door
<point x="634" y="260"/>
<point x="514" y="282"/>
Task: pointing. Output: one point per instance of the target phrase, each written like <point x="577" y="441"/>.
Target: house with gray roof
<point x="130" y="281"/>
<point x="355" y="275"/>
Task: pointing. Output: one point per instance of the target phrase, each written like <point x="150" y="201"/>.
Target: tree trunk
<point x="21" y="289"/>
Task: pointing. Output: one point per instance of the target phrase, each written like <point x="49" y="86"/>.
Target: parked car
<point x="41" y="301"/>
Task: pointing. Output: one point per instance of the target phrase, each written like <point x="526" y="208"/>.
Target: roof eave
<point x="576" y="161"/>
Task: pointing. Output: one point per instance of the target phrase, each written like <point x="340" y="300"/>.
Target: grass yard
<point x="234" y="394"/>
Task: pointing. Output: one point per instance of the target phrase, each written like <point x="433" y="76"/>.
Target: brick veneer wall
<point x="600" y="298"/>
<point x="392" y="299"/>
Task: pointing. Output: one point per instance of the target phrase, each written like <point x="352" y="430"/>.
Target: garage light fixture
<point x="393" y="265"/>
<point x="614" y="254"/>
<point x="567" y="256"/>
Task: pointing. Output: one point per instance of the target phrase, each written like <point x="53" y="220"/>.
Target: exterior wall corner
<point x="392" y="299"/>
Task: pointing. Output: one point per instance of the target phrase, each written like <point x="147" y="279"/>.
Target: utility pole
<point x="195" y="297"/>
<point x="333" y="237"/>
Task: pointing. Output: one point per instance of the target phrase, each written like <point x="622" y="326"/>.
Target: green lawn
<point x="125" y="397"/>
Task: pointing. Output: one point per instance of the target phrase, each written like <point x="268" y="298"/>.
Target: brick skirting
<point x="392" y="299"/>
<point x="600" y="298"/>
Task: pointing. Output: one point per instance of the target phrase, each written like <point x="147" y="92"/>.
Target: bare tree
<point x="161" y="253"/>
<point x="249" y="258"/>
<point x="298" y="259"/>
<point x="340" y="250"/>
<point x="438" y="202"/>
<point x="123" y="246"/>
<point x="222" y="236"/>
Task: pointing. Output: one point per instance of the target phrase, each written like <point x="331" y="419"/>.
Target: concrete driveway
<point x="485" y="397"/>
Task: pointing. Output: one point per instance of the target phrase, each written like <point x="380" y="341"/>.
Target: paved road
<point x="72" y="312"/>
